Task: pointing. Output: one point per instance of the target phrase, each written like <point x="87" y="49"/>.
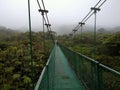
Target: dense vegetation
<point x="108" y="46"/>
<point x="15" y="70"/>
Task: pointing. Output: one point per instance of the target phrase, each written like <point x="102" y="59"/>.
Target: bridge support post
<point x="42" y="13"/>
<point x="96" y="73"/>
<point x="47" y="77"/>
<point x="99" y="77"/>
<point x="81" y="24"/>
<point x="95" y="12"/>
<point x="30" y="37"/>
<point x="93" y="76"/>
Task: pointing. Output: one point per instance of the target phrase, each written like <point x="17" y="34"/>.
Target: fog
<point x="14" y="13"/>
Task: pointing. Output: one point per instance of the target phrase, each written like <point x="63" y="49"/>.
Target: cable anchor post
<point x="95" y="9"/>
<point x="48" y="25"/>
<point x="74" y="30"/>
<point x="42" y="11"/>
<point x="81" y="24"/>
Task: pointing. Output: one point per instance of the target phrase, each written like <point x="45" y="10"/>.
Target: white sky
<point x="14" y="13"/>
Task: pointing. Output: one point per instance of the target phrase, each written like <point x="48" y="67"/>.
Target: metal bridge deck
<point x="65" y="78"/>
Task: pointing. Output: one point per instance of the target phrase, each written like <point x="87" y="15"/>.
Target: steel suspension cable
<point x="93" y="12"/>
<point x="97" y="3"/>
<point x="41" y="10"/>
<point x="45" y="9"/>
<point x="38" y="4"/>
<point x="102" y="3"/>
<point x="30" y="37"/>
<point x="90" y="13"/>
<point x="43" y="4"/>
<point x="88" y="17"/>
<point x="46" y="20"/>
<point x="76" y="28"/>
<point x="48" y="27"/>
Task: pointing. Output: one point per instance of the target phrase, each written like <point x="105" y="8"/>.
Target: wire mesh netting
<point x="58" y="75"/>
<point x="45" y="81"/>
<point x="94" y="75"/>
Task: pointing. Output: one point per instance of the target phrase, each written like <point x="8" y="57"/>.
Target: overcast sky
<point x="14" y="13"/>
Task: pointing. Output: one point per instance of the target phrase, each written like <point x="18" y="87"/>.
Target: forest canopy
<point x="15" y="58"/>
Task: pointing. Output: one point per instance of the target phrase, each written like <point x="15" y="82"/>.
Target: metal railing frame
<point x="45" y="82"/>
<point x="97" y="70"/>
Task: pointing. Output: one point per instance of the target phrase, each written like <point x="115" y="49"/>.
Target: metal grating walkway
<point x="65" y="78"/>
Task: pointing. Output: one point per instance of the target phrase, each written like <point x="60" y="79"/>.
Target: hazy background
<point x="63" y="14"/>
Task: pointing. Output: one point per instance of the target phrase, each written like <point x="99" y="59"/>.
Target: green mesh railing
<point x="45" y="81"/>
<point x="95" y="76"/>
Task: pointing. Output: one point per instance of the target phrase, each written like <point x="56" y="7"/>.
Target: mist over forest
<point x="60" y="30"/>
<point x="14" y="52"/>
<point x="35" y="48"/>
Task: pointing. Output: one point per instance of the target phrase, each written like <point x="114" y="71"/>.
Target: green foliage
<point x="18" y="63"/>
<point x="26" y="79"/>
<point x="108" y="53"/>
<point x="112" y="45"/>
<point x="1" y="65"/>
<point x="4" y="45"/>
<point x="6" y="87"/>
<point x="15" y="67"/>
<point x="9" y="69"/>
<point x="108" y="46"/>
<point x="16" y="76"/>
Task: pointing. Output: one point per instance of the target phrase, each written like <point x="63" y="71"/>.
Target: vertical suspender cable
<point x="43" y="33"/>
<point x="30" y="36"/>
<point x="45" y="13"/>
<point x="81" y="24"/>
<point x="38" y="4"/>
<point x="81" y="38"/>
<point x="95" y="36"/>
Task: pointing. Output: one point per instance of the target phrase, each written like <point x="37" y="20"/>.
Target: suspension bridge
<point x="69" y="70"/>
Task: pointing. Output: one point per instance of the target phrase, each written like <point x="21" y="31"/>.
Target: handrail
<point x="40" y="79"/>
<point x="45" y="75"/>
<point x="88" y="58"/>
<point x="42" y="74"/>
<point x="93" y="74"/>
<point x="110" y="69"/>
